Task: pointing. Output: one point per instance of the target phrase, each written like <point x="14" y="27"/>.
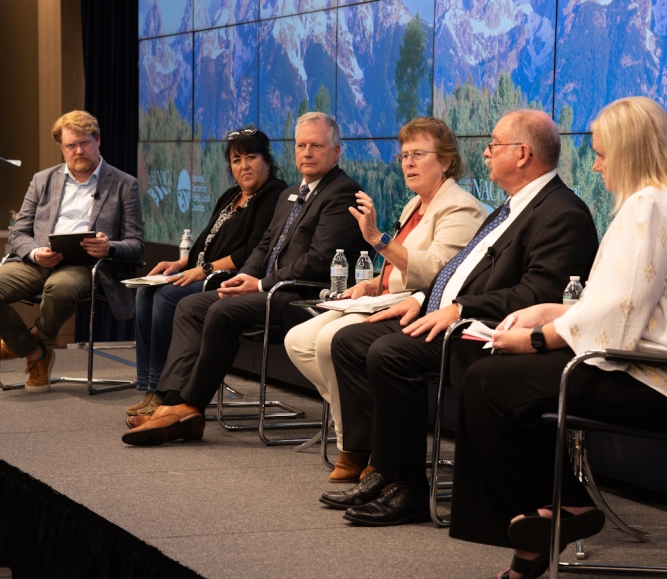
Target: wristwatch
<point x="207" y="267"/>
<point x="384" y="240"/>
<point x="537" y="339"/>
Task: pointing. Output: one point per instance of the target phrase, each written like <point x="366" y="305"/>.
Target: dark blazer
<point x="323" y="225"/>
<point x="241" y="233"/>
<point x="553" y="238"/>
<point x="116" y="211"/>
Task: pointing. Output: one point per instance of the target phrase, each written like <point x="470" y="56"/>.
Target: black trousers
<point x="504" y="454"/>
<point x="383" y="394"/>
<point x="206" y="338"/>
<point x="383" y="390"/>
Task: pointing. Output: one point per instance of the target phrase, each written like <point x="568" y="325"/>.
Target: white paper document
<point x="480" y="331"/>
<point x="365" y="304"/>
<point x="146" y="280"/>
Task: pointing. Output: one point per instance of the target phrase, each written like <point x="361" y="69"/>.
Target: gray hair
<point x="314" y="117"/>
<point x="537" y="130"/>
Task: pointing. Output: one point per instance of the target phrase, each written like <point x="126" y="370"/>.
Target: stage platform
<point x="228" y="506"/>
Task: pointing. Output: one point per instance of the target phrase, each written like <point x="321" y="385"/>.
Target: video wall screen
<point x="208" y="67"/>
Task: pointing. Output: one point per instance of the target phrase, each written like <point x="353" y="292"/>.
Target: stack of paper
<point x="365" y="304"/>
<point x="146" y="280"/>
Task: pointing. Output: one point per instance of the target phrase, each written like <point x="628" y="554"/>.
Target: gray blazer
<point x="116" y="212"/>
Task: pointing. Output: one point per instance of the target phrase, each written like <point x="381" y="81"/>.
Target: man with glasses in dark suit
<point x="523" y="254"/>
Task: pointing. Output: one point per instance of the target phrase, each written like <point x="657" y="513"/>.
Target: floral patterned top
<point x="624" y="304"/>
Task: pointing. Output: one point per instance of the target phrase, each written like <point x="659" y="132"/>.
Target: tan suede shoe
<point x="132" y="410"/>
<point x="349" y="466"/>
<point x="39" y="371"/>
<point x="151" y="407"/>
<point x="168" y="423"/>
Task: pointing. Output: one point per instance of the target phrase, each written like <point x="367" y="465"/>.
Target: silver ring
<point x="181" y="274"/>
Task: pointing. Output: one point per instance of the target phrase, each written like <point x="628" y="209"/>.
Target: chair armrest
<point x="4" y="258"/>
<point x="636" y="357"/>
<point x="216" y="273"/>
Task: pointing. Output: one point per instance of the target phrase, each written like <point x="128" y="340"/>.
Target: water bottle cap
<point x="340" y="251"/>
<point x="186" y="232"/>
<point x="364" y="253"/>
<point x="574" y="278"/>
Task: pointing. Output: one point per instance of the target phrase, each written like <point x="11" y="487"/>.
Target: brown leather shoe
<point x="39" y="371"/>
<point x="369" y="470"/>
<point x="5" y="352"/>
<point x="134" y="421"/>
<point x="132" y="409"/>
<point x="168" y="423"/>
<point x="349" y="466"/>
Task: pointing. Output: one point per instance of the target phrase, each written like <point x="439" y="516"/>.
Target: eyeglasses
<point x="492" y="144"/>
<point x="244" y="132"/>
<point x="416" y="155"/>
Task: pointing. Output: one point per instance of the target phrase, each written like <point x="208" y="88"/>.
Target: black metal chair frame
<point x="262" y="404"/>
<point x="574" y="423"/>
<point x="436" y="484"/>
<point x="95" y="385"/>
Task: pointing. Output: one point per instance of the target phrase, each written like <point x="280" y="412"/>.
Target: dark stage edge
<point x="43" y="533"/>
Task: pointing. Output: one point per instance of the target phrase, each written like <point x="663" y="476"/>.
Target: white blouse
<point x="624" y="304"/>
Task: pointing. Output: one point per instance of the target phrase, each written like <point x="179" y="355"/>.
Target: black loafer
<point x="366" y="491"/>
<point x="396" y="506"/>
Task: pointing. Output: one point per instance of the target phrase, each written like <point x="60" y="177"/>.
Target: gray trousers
<point x="61" y="288"/>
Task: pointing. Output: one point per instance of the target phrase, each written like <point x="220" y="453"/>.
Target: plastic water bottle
<point x="363" y="271"/>
<point x="186" y="244"/>
<point x="339" y="270"/>
<point x="573" y="290"/>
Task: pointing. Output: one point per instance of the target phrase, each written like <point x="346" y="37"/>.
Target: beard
<point x="81" y="165"/>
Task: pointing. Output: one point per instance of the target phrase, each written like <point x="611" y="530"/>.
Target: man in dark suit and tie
<point x="311" y="221"/>
<point x="83" y="194"/>
<point x="523" y="254"/>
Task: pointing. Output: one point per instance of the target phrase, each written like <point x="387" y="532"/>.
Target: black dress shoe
<point x="396" y="506"/>
<point x="366" y="491"/>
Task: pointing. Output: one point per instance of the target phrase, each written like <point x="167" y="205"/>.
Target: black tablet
<point x="69" y="244"/>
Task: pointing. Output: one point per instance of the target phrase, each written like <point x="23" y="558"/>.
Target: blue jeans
<point x="156" y="306"/>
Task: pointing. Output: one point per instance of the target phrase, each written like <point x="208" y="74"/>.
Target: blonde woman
<point x="504" y="456"/>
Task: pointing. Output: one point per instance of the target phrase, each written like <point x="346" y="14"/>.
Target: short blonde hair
<point x="633" y="132"/>
<point x="446" y="145"/>
<point x="79" y="121"/>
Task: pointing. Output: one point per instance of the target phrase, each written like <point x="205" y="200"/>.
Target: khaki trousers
<point x="309" y="347"/>
<point x="61" y="289"/>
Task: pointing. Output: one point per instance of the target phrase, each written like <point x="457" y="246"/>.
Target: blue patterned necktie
<point x="448" y="271"/>
<point x="298" y="204"/>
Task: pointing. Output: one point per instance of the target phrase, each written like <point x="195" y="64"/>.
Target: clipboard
<point x="69" y="244"/>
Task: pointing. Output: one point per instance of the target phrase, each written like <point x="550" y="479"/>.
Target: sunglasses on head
<point x="244" y="132"/>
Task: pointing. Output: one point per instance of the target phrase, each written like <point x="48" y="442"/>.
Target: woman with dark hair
<point x="238" y="222"/>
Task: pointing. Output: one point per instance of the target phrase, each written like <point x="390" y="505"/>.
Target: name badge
<point x="292" y="197"/>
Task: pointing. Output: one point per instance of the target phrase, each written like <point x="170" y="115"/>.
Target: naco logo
<point x="161" y="184"/>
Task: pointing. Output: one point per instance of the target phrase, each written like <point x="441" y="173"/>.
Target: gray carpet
<point x="231" y="506"/>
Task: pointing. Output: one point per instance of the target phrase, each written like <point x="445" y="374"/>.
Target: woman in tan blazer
<point x="434" y="226"/>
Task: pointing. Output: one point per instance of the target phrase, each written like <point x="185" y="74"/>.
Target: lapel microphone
<point x="301" y="200"/>
<point x="96" y="195"/>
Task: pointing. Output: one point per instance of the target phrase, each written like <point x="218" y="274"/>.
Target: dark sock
<point x="415" y="480"/>
<point x="172" y="398"/>
<point x="43" y="353"/>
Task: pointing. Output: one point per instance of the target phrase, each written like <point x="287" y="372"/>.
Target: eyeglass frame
<point x="244" y="132"/>
<point x="491" y="144"/>
<point x="405" y="156"/>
